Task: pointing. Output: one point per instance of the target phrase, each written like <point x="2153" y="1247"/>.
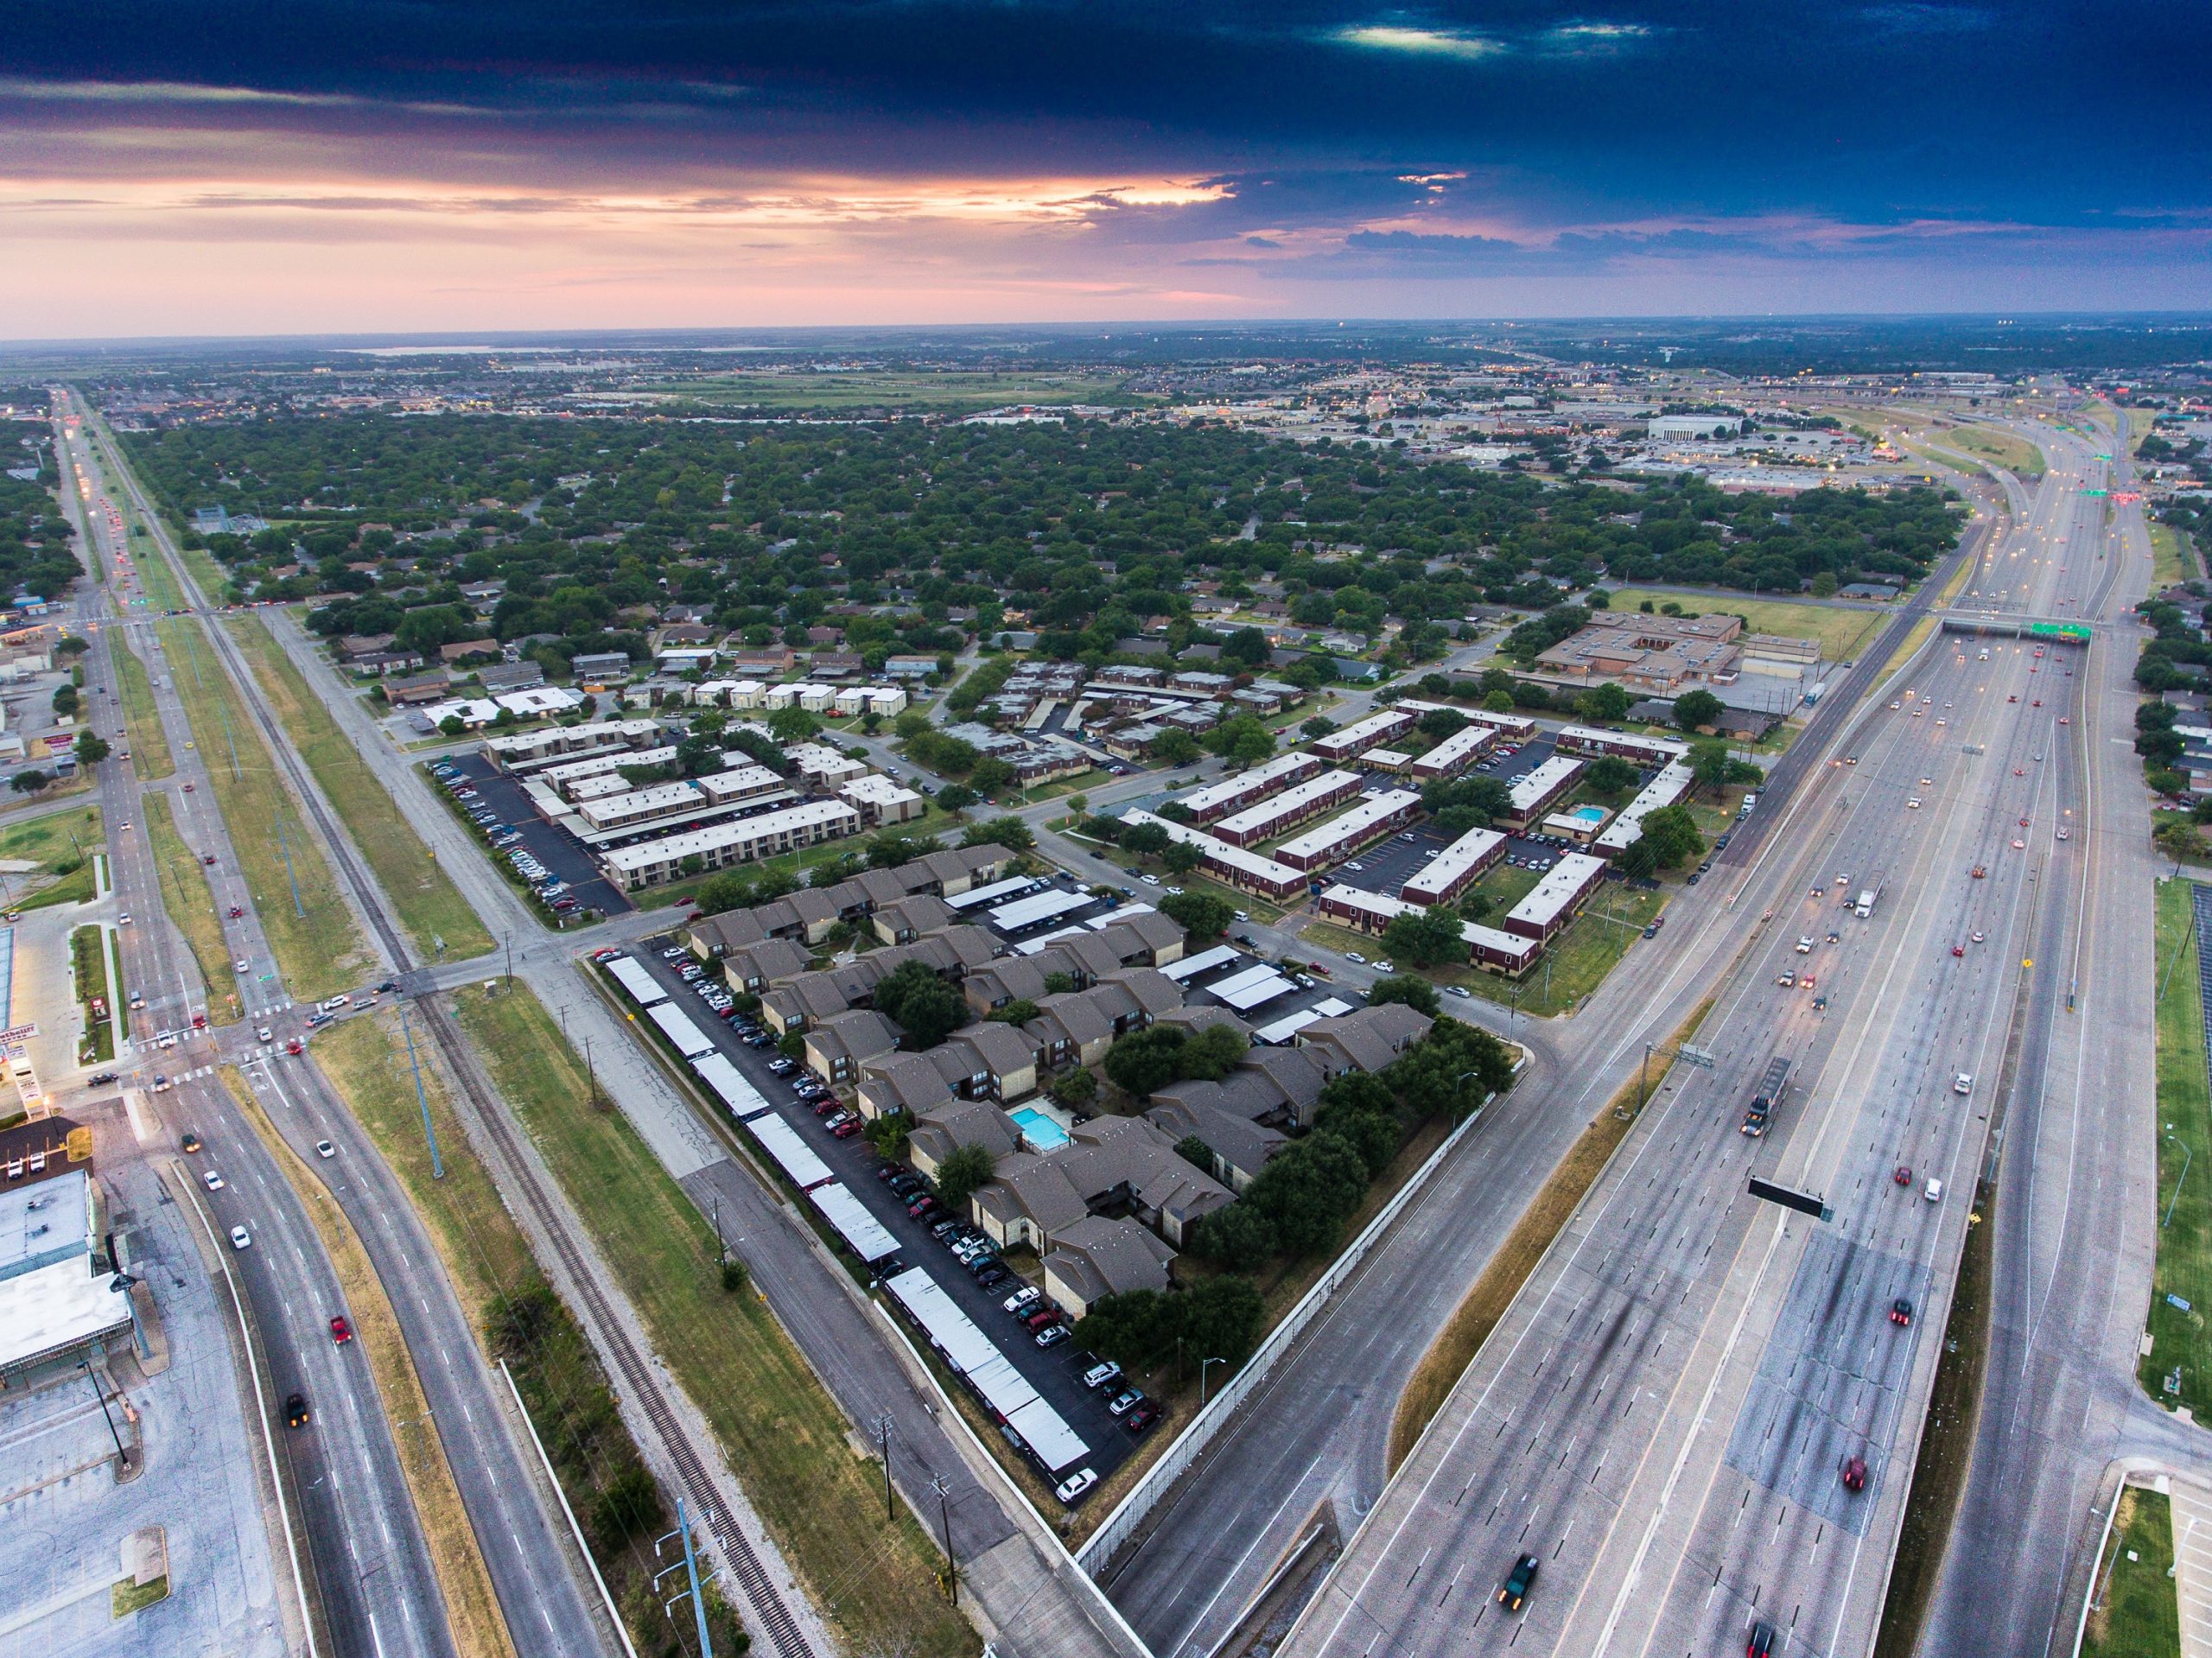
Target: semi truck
<point x="1868" y="895"/>
<point x="1767" y="1099"/>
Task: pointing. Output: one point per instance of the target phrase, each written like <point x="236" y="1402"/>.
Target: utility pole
<point x="944" y="1512"/>
<point x="883" y="1437"/>
<point x="690" y="1565"/>
<point x="438" y="1168"/>
<point x="100" y="1394"/>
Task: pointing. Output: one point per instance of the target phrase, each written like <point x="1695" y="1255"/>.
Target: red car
<point x="207" y="858"/>
<point x="340" y="1332"/>
<point x="1958" y="949"/>
<point x="921" y="1205"/>
<point x="237" y="912"/>
<point x="293" y="1046"/>
<point x="1904" y="1175"/>
<point x="1855" y="1474"/>
<point x="847" y="1128"/>
<point x="1900" y="1311"/>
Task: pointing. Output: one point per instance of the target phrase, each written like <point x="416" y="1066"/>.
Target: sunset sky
<point x="190" y="168"/>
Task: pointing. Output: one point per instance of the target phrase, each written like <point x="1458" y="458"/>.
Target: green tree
<point x="1238" y="1237"/>
<point x="1175" y="748"/>
<point x="1008" y="832"/>
<point x="956" y="798"/>
<point x="1181" y="857"/>
<point x="1498" y="702"/>
<point x="1416" y="993"/>
<point x="1247" y="646"/>
<point x="966" y="1170"/>
<point x="1694" y="709"/>
<point x="1638" y="860"/>
<point x="1320" y="726"/>
<point x="1146" y="1059"/>
<point x="1424" y="937"/>
<point x="792" y="725"/>
<point x="1213" y="1053"/>
<point x="1019" y="1011"/>
<point x="1672" y="834"/>
<point x="90" y="750"/>
<point x="30" y="782"/>
<point x="990" y="774"/>
<point x="1195" y="1151"/>
<point x="924" y="1006"/>
<point x="1599" y="703"/>
<point x="1611" y="776"/>
<point x="1709" y="764"/>
<point x="1076" y="1088"/>
<point x="1308" y="1192"/>
<point x="1201" y="914"/>
<point x="1146" y="840"/>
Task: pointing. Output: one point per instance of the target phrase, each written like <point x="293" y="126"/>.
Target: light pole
<point x="100" y="1394"/>
<point x="1204" y="1366"/>
<point x="122" y="1284"/>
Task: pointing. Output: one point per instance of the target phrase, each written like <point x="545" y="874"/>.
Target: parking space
<point x="553" y="848"/>
<point x="1056" y="1372"/>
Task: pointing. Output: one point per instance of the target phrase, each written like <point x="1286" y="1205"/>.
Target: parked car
<point x="1141" y="1420"/>
<point x="1100" y="1374"/>
<point x="1124" y="1401"/>
<point x="1072" y="1489"/>
<point x="1051" y="1335"/>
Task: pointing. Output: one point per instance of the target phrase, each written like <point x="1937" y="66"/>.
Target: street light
<point x="100" y="1394"/>
<point x="122" y="1284"/>
<point x="1204" y="1366"/>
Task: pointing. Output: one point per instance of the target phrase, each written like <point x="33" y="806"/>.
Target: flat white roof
<point x="1541" y="781"/>
<point x="1258" y="779"/>
<point x="716" y="1071"/>
<point x="1375" y="809"/>
<point x="1205" y="961"/>
<point x="879" y="791"/>
<point x="1373" y="729"/>
<point x="676" y="1024"/>
<point x="1359" y="897"/>
<point x="1661" y="747"/>
<point x="867" y="1236"/>
<point x="1291" y="802"/>
<point x="604" y="764"/>
<point x="1252" y="987"/>
<point x="1461" y="745"/>
<point x="643" y="988"/>
<point x="1252" y="863"/>
<point x="809" y="814"/>
<point x="1516" y="725"/>
<point x="1289" y="1025"/>
<point x="1030" y="946"/>
<point x="1559" y="887"/>
<point x="793" y="1155"/>
<point x="659" y="797"/>
<point x="54" y="1307"/>
<point x="970" y="1352"/>
<point x="1671" y="784"/>
<point x="1508" y="944"/>
<point x="997" y="893"/>
<point x="1455" y="861"/>
<point x="1038" y="907"/>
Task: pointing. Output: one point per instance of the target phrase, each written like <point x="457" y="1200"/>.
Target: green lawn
<point x="2137" y="1614"/>
<point x="88" y="965"/>
<point x="428" y="904"/>
<point x="2015" y="454"/>
<point x="786" y="1438"/>
<point x="150" y="744"/>
<point x="65" y="866"/>
<point x="1577" y="961"/>
<point x="295" y="893"/>
<point x="1842" y="630"/>
<point x="2171" y="561"/>
<point x="191" y="905"/>
<point x="2179" y="1339"/>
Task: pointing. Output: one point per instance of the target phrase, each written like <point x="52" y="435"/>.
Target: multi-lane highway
<point x="372" y="1565"/>
<point x="1665" y="1416"/>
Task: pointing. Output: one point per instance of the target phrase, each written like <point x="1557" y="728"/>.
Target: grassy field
<point x="428" y="904"/>
<point x="88" y="965"/>
<point x="191" y="903"/>
<point x="2179" y="1339"/>
<point x="1577" y="961"/>
<point x="121" y="1002"/>
<point x="2138" y="1615"/>
<point x="2171" y="560"/>
<point x="316" y="943"/>
<point x="784" y="1437"/>
<point x="480" y="1629"/>
<point x="2014" y="453"/>
<point x="64" y="874"/>
<point x="899" y="388"/>
<point x="1842" y="630"/>
<point x="150" y="744"/>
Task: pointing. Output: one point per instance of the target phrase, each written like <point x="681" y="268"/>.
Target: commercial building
<point x="1456" y="869"/>
<point x="1338" y="839"/>
<point x="1358" y="737"/>
<point x="745" y="840"/>
<point x="55" y="1302"/>
<point x="1555" y="900"/>
<point x="1649" y="653"/>
<point x="1540" y="790"/>
<point x="1287" y="811"/>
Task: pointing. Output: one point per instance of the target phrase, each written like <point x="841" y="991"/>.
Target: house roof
<point x="856" y="1036"/>
<point x="1096" y="1256"/>
<point x="1153" y="990"/>
<point x="1369" y="1037"/>
<point x="999" y="1049"/>
<point x="1147" y="930"/>
<point x="1071" y="1016"/>
<point x="941" y="1128"/>
<point x="770" y="960"/>
<point x="1245" y="1145"/>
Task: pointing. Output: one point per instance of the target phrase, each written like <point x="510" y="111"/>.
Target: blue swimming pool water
<point x="1590" y="814"/>
<point x="1039" y="1130"/>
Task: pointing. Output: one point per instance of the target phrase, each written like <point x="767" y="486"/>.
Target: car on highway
<point x="340" y="1332"/>
<point x="1761" y="1644"/>
<point x="240" y="1238"/>
<point x="1901" y="1312"/>
<point x="1902" y="1175"/>
<point x="1787" y="979"/>
<point x="214" y="1181"/>
<point x="295" y="1410"/>
<point x="324" y="1148"/>
<point x="242" y="965"/>
<point x="1912" y="802"/>
<point x="264" y="1035"/>
<point x="1515" y="1589"/>
<point x="1933" y="1191"/>
<point x="1854" y="1473"/>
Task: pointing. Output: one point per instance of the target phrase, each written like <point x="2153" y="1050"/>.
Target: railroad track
<point x="768" y="1607"/>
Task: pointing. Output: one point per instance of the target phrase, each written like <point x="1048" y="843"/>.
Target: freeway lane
<point x="1662" y="1416"/>
<point x="372" y="1570"/>
<point x="528" y="1551"/>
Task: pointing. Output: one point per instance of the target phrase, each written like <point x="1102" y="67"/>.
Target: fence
<point x="1121" y="1526"/>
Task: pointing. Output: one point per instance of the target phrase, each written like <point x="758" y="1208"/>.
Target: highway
<point x="358" y="1513"/>
<point x="1663" y="1416"/>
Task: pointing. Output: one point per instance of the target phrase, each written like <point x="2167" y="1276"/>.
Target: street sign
<point x="15" y="1033"/>
<point x="1803" y="1202"/>
<point x="1701" y="1057"/>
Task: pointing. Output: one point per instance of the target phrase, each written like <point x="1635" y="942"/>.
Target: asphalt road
<point x="1662" y="1417"/>
<point x="527" y="1549"/>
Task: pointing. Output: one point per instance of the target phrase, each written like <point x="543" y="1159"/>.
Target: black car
<point x="1761" y="1645"/>
<point x="991" y="1277"/>
<point x="296" y="1411"/>
<point x="99" y="1079"/>
<point x="1514" y="1588"/>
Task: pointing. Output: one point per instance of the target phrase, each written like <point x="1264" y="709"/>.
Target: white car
<point x="1386" y="967"/>
<point x="1913" y="802"/>
<point x="1354" y="955"/>
<point x="1962" y="1084"/>
<point x="264" y="1035"/>
<point x="1069" y="1490"/>
<point x="214" y="1180"/>
<point x="239" y="1237"/>
<point x="1934" y="1191"/>
<point x="324" y="1148"/>
<point x="241" y="967"/>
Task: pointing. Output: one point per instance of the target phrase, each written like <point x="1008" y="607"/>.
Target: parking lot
<point x="1056" y="1372"/>
<point x="551" y="846"/>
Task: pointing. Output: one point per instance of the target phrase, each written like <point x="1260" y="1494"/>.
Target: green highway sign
<point x="2071" y="633"/>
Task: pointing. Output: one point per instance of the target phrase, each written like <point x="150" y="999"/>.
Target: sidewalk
<point x="2192" y="1517"/>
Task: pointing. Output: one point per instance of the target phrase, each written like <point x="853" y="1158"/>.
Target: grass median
<point x="2139" y="1614"/>
<point x="785" y="1437"/>
<point x="150" y="744"/>
<point x="191" y="903"/>
<point x="429" y="907"/>
<point x="295" y="894"/>
<point x="479" y="1630"/>
<point x="88" y="966"/>
<point x="2178" y="1336"/>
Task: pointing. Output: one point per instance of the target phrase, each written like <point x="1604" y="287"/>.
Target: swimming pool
<point x="1589" y="814"/>
<point x="1039" y="1130"/>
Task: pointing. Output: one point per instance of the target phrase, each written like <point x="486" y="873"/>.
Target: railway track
<point x="768" y="1607"/>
